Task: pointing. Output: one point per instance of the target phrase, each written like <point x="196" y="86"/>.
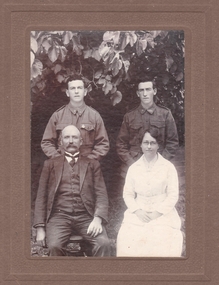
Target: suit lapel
<point x="58" y="166"/>
<point x="83" y="164"/>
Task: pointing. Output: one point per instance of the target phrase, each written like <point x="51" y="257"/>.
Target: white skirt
<point x="154" y="239"/>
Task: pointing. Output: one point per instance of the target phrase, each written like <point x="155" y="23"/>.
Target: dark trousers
<point x="60" y="227"/>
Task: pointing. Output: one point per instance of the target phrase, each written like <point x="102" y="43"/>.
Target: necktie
<point x="72" y="162"/>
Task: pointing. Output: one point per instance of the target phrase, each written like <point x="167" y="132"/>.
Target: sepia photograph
<point x="108" y="143"/>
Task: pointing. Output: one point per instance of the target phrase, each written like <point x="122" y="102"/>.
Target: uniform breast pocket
<point x="135" y="134"/>
<point x="88" y="133"/>
<point x="158" y="128"/>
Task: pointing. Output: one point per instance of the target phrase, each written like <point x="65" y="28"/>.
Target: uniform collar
<point x="80" y="109"/>
<point x="150" y="110"/>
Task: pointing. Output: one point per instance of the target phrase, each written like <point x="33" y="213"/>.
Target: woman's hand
<point x="142" y="215"/>
<point x="154" y="215"/>
<point x="146" y="217"/>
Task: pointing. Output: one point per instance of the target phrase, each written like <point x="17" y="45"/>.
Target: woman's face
<point x="149" y="145"/>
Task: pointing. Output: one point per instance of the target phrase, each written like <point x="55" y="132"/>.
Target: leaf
<point x="113" y="90"/>
<point x="63" y="53"/>
<point x="98" y="73"/>
<point x="139" y="49"/>
<point x="46" y="44"/>
<point x="41" y="85"/>
<point x="89" y="88"/>
<point x="125" y="40"/>
<point x="38" y="64"/>
<point x="117" y="81"/>
<point x="115" y="67"/>
<point x="57" y="68"/>
<point x="116" y="98"/>
<point x="77" y="47"/>
<point x="155" y="33"/>
<point x="169" y="61"/>
<point x="32" y="58"/>
<point x="103" y="50"/>
<point x="108" y="77"/>
<point x="60" y="78"/>
<point x="107" y="36"/>
<point x="126" y="64"/>
<point x="36" y="69"/>
<point x="53" y="53"/>
<point x="96" y="54"/>
<point x="132" y="38"/>
<point x="101" y="80"/>
<point x="116" y="37"/>
<point x="107" y="87"/>
<point x="87" y="53"/>
<point x="179" y="76"/>
<point x="33" y="33"/>
<point x="165" y="78"/>
<point x="67" y="36"/>
<point x="33" y="45"/>
<point x="173" y="68"/>
<point x="163" y="34"/>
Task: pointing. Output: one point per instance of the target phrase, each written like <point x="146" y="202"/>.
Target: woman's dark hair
<point x="154" y="133"/>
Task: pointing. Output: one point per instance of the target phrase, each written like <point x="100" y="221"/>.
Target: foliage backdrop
<point x="111" y="63"/>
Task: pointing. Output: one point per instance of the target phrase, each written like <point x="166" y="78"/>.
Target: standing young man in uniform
<point x="145" y="117"/>
<point x="86" y="119"/>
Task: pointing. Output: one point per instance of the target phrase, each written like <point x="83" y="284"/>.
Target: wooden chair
<point x="76" y="246"/>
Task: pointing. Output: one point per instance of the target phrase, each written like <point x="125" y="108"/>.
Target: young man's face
<point x="76" y="91"/>
<point x="146" y="92"/>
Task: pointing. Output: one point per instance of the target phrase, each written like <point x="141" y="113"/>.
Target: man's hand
<point x="41" y="234"/>
<point x="95" y="227"/>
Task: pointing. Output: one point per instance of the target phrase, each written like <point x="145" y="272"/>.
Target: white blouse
<point x="153" y="187"/>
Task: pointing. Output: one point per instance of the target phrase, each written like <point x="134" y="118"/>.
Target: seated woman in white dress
<point x="151" y="225"/>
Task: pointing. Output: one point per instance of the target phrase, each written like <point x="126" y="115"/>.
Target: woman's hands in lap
<point x="146" y="217"/>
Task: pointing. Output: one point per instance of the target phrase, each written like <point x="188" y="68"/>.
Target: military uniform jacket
<point x="134" y="125"/>
<point x="92" y="189"/>
<point x="95" y="139"/>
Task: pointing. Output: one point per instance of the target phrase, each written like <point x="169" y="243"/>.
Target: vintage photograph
<point x="108" y="143"/>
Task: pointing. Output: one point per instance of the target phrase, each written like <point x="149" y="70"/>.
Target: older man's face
<point x="71" y="139"/>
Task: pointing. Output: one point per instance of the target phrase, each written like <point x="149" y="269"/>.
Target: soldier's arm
<point x="171" y="137"/>
<point x="122" y="143"/>
<point x="49" y="140"/>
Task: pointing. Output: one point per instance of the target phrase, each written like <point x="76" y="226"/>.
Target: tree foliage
<point x="111" y="62"/>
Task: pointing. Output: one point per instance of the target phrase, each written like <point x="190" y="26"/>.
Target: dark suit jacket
<point x="92" y="188"/>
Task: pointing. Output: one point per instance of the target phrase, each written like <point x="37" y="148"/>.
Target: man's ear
<point x="85" y="92"/>
<point x="137" y="93"/>
<point x="60" y="139"/>
<point x="155" y="91"/>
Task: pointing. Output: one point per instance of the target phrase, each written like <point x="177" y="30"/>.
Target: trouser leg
<point x="58" y="231"/>
<point x="100" y="245"/>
